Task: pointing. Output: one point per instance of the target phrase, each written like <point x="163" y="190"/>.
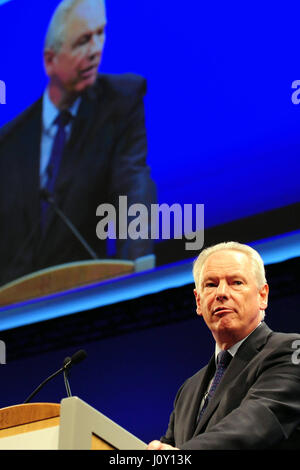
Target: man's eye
<point x="210" y="284"/>
<point x="83" y="40"/>
<point x="237" y="283"/>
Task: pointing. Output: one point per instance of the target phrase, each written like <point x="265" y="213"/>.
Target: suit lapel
<point x="245" y="353"/>
<point x="30" y="158"/>
<point x="192" y="411"/>
<point x="92" y="112"/>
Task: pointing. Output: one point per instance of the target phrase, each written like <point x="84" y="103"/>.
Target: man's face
<point x="74" y="67"/>
<point x="228" y="297"/>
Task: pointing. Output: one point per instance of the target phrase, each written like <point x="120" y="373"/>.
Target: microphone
<point x="68" y="363"/>
<point x="46" y="196"/>
<point x="76" y="358"/>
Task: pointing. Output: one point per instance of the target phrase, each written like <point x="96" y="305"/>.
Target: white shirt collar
<point x="50" y="111"/>
<point x="235" y="347"/>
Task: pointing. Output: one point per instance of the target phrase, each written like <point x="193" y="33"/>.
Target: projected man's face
<point x="74" y="67"/>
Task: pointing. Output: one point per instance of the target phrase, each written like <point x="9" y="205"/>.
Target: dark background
<point x="139" y="352"/>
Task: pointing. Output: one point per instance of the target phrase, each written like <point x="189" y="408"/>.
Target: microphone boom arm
<point x="42" y="384"/>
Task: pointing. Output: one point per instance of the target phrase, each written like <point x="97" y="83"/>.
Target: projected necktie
<point x="223" y="360"/>
<point x="62" y="121"/>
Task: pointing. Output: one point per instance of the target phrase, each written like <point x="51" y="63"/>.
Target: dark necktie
<point x="62" y="121"/>
<point x="223" y="359"/>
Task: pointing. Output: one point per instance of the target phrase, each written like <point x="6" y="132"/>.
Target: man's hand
<point x="157" y="445"/>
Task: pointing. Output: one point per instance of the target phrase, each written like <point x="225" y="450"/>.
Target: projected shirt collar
<point x="50" y="112"/>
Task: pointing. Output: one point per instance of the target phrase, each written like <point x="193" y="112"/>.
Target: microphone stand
<point x="67" y="364"/>
<point x="47" y="197"/>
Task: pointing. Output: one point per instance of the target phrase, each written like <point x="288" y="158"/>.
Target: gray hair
<point x="55" y="35"/>
<point x="253" y="255"/>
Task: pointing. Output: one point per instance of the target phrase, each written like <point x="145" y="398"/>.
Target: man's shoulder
<point x="125" y="84"/>
<point x="22" y="118"/>
<point x="194" y="380"/>
<point x="276" y="349"/>
<point x="283" y="340"/>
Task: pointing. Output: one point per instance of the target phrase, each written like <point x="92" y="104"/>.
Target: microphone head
<point x="78" y="356"/>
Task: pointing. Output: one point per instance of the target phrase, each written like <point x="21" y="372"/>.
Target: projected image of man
<point x="83" y="142"/>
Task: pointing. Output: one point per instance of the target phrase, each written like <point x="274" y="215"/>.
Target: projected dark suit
<point x="256" y="405"/>
<point x="105" y="157"/>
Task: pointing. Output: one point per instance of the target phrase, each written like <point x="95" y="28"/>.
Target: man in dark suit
<point x="247" y="397"/>
<point x="102" y="154"/>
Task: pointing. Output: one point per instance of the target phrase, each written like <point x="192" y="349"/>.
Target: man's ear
<point x="197" y="297"/>
<point x="264" y="294"/>
<point x="48" y="61"/>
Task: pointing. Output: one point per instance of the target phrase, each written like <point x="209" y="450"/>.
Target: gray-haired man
<point x="247" y="397"/>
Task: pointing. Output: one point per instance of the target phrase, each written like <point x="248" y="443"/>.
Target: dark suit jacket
<point x="105" y="157"/>
<point x="255" y="406"/>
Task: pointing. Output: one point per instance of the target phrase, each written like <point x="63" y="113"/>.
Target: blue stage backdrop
<point x="222" y="116"/>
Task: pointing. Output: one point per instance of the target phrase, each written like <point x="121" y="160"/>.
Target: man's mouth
<point x="219" y="311"/>
<point x="88" y="71"/>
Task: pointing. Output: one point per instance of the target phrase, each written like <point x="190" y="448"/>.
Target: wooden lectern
<point x="70" y="276"/>
<point x="71" y="425"/>
<point x="61" y="278"/>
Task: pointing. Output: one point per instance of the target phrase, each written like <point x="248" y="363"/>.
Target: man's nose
<point x="222" y="291"/>
<point x="97" y="44"/>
